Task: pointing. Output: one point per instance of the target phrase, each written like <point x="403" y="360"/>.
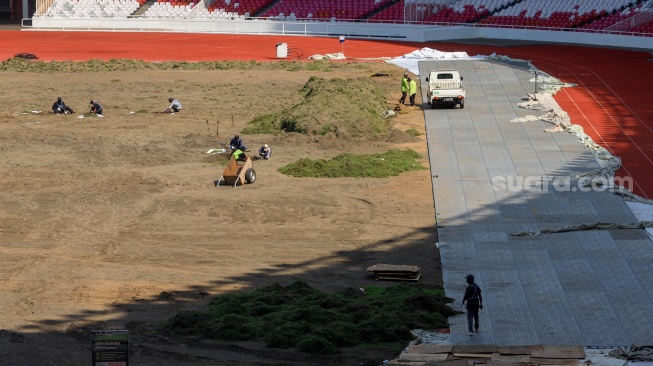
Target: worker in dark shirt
<point x="60" y="107"/>
<point x="96" y="107"/>
<point x="237" y="143"/>
<point x="265" y="152"/>
<point x="474" y="301"/>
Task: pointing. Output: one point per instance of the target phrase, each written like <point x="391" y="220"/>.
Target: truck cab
<point x="446" y="89"/>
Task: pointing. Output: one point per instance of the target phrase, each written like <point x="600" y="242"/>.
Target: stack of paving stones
<point x="491" y="355"/>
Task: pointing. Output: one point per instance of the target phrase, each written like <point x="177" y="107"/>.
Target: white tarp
<point x="409" y="61"/>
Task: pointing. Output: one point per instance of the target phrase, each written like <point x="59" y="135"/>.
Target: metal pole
<point x="535" y="93"/>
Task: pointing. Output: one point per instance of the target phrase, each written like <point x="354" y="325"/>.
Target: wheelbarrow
<point x="238" y="172"/>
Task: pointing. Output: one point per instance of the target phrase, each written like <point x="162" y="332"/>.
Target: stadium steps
<point x="497" y="10"/>
<point x="381" y="8"/>
<point x="142" y="9"/>
<point x="264" y="9"/>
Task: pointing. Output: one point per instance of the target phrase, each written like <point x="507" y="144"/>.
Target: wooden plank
<point x="392" y="268"/>
<point x="518" y="350"/>
<point x="406" y="274"/>
<point x="554" y="361"/>
<point x="404" y="363"/>
<point x="511" y="358"/>
<point x="561" y="352"/>
<point x="502" y="363"/>
<point x="557" y="354"/>
<point x="380" y="277"/>
<point x="421" y="357"/>
<point x="576" y="348"/>
<point x="430" y="348"/>
<point x="473" y="355"/>
<point x="385" y="276"/>
<point x="474" y="348"/>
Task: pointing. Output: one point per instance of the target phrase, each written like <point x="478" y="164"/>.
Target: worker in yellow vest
<point x="412" y="90"/>
<point x="404" y="88"/>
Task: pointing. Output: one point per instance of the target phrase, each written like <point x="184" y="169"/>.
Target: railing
<point x="632" y="22"/>
<point x="350" y="28"/>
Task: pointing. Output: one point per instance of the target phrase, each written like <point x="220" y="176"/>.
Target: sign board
<point x="110" y="348"/>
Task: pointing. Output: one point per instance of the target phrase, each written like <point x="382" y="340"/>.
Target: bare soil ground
<point x="115" y="222"/>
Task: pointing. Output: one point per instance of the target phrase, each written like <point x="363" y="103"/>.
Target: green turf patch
<point x="299" y="316"/>
<point x="413" y="132"/>
<point x="384" y="165"/>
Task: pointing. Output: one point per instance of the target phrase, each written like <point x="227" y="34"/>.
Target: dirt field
<point x="115" y="222"/>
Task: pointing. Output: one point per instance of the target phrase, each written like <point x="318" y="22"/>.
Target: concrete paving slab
<point x="496" y="177"/>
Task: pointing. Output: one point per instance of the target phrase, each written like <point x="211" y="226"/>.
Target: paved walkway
<point x="591" y="288"/>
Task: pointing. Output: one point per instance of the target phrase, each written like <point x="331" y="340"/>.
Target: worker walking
<point x="474" y="301"/>
<point x="404" y="88"/>
<point x="412" y="89"/>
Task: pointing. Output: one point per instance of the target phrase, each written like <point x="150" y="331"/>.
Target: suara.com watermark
<point x="558" y="183"/>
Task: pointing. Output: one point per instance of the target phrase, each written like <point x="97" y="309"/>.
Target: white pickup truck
<point x="446" y="88"/>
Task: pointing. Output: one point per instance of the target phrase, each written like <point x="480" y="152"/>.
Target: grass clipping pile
<point x="311" y="321"/>
<point x="348" y="108"/>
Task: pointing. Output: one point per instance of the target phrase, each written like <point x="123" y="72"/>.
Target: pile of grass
<point x="390" y="163"/>
<point x="299" y="316"/>
<point x="348" y="108"/>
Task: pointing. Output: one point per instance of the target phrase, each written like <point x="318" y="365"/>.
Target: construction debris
<point x="491" y="355"/>
<point x="634" y="353"/>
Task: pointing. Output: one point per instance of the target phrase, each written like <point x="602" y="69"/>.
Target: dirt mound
<point x="401" y="137"/>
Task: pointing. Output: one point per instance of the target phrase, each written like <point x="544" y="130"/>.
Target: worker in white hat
<point x="265" y="152"/>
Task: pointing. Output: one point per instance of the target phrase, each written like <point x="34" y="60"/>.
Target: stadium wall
<point x="382" y="31"/>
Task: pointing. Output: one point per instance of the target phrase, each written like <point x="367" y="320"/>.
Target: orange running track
<point x="611" y="101"/>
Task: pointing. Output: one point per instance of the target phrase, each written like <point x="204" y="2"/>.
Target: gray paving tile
<point x="586" y="287"/>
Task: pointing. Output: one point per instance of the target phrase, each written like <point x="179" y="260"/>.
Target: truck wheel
<point x="250" y="176"/>
<point x="462" y="104"/>
<point x="434" y="105"/>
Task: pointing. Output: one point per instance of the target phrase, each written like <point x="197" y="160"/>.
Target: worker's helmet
<point x="265" y="146"/>
<point x="59" y="99"/>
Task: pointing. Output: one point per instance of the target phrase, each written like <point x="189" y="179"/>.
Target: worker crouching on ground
<point x="60" y="107"/>
<point x="175" y="105"/>
<point x="239" y="154"/>
<point x="265" y="152"/>
<point x="95" y="107"/>
<point x="237" y="143"/>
